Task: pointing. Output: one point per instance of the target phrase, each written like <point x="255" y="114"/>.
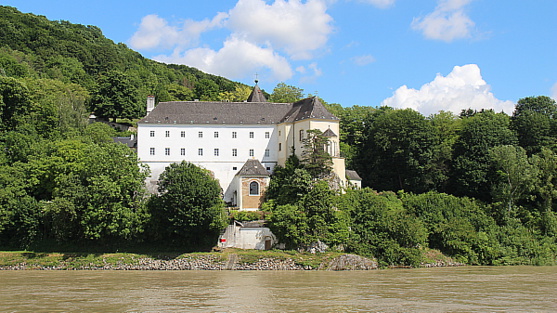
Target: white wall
<point x="225" y="165"/>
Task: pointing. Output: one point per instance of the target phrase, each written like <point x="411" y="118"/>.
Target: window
<point x="280" y="146"/>
<point x="279" y="133"/>
<point x="234" y="134"/>
<point x="216" y="152"/>
<point x="183" y="151"/>
<point x="253" y="188"/>
<point x="251" y="152"/>
<point x="152" y="151"/>
<point x="167" y="133"/>
<point x="152" y="133"/>
<point x="200" y="151"/>
<point x="251" y="134"/>
<point x="183" y="134"/>
<point x="200" y="134"/>
<point x="268" y="168"/>
<point x="166" y="151"/>
<point x="234" y="168"/>
<point x="216" y="135"/>
<point x="267" y="135"/>
<point x="267" y="152"/>
<point x="301" y="134"/>
<point x="234" y="152"/>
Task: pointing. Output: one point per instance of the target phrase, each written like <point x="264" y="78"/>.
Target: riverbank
<point x="230" y="259"/>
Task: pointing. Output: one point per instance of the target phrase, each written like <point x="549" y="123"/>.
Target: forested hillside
<point x="479" y="186"/>
<point x="33" y="47"/>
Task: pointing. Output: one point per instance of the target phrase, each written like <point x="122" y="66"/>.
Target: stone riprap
<point x="209" y="262"/>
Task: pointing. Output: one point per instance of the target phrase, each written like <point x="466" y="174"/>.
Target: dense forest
<point x="478" y="186"/>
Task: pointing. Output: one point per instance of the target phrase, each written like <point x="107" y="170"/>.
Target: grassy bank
<point x="76" y="260"/>
<point x="227" y="259"/>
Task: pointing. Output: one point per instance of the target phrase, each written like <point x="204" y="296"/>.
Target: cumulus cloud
<point x="297" y="28"/>
<point x="155" y="33"/>
<point x="363" y="59"/>
<point x="463" y="88"/>
<point x="236" y="59"/>
<point x="265" y="35"/>
<point x="382" y="4"/>
<point x="447" y="22"/>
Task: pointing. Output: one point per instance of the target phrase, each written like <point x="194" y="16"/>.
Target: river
<point x="462" y="289"/>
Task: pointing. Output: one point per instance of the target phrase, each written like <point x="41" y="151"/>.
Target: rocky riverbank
<point x="234" y="260"/>
<point x="203" y="262"/>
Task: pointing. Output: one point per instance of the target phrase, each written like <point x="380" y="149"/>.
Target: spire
<point x="256" y="94"/>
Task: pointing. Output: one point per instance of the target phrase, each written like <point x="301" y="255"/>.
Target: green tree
<point x="179" y="93"/>
<point x="15" y="102"/>
<point x="400" y="152"/>
<point x="117" y="97"/>
<point x="284" y="93"/>
<point x="188" y="209"/>
<point x="515" y="176"/>
<point x="458" y="227"/>
<point x="382" y="228"/>
<point x="313" y="218"/>
<point x="471" y="167"/>
<point x="289" y="183"/>
<point x="315" y="158"/>
<point x="353" y="123"/>
<point x="240" y="93"/>
<point x="206" y="90"/>
<point x="535" y="121"/>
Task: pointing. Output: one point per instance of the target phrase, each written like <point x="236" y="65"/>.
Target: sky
<point x="428" y="55"/>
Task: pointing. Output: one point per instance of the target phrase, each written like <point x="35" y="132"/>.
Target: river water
<point x="463" y="289"/>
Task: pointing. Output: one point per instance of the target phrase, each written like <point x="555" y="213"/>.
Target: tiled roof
<point x="257" y="95"/>
<point x="201" y="112"/>
<point x="308" y="108"/>
<point x="131" y="142"/>
<point x="329" y="133"/>
<point x="253" y="167"/>
<point x="255" y="111"/>
<point x="352" y="175"/>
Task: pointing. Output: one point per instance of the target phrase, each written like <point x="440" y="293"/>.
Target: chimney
<point x="150" y="103"/>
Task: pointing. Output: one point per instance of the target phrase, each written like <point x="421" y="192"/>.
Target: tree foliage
<point x="188" y="209"/>
<point x="315" y="158"/>
<point x="284" y="93"/>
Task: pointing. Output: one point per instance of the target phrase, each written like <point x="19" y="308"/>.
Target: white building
<point x="239" y="142"/>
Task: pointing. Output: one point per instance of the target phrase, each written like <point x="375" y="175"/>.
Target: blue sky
<point x="428" y="55"/>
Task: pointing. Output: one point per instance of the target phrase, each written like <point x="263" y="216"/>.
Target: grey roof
<point x="235" y="113"/>
<point x="253" y="167"/>
<point x="131" y="142"/>
<point x="308" y="108"/>
<point x="352" y="175"/>
<point x="329" y="133"/>
<point x="256" y="95"/>
<point x="201" y="112"/>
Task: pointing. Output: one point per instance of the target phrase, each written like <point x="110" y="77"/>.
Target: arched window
<point x="254" y="188"/>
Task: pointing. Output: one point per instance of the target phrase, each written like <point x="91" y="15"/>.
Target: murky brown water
<point x="465" y="289"/>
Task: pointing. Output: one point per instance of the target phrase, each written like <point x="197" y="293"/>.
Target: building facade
<point x="239" y="142"/>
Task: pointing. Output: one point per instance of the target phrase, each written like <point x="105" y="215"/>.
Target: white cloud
<point x="448" y="22"/>
<point x="463" y="88"/>
<point x="314" y="74"/>
<point x="382" y="4"/>
<point x="155" y="32"/>
<point x="554" y="92"/>
<point x="259" y="31"/>
<point x="236" y="59"/>
<point x="363" y="60"/>
<point x="297" y="28"/>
